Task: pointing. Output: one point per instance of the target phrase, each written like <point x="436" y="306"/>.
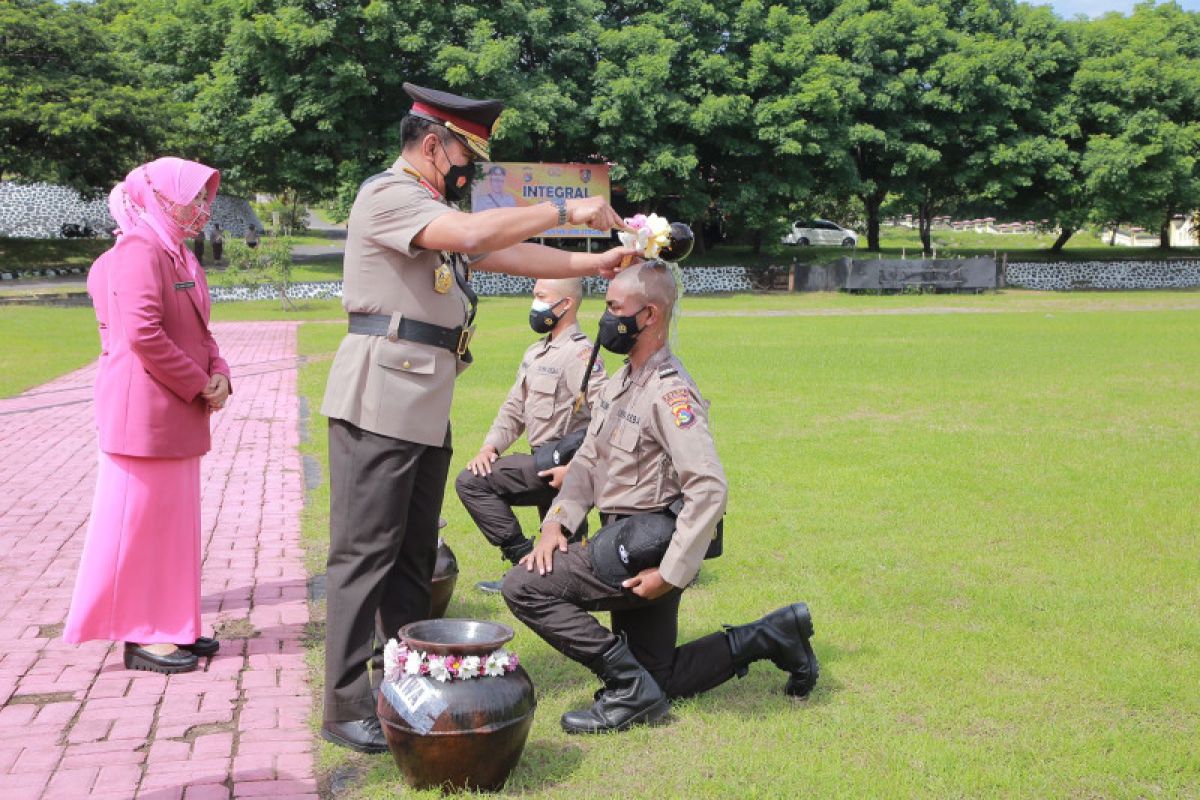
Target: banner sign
<point x="517" y="183"/>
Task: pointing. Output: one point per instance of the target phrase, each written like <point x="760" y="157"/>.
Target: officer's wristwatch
<point x="561" y="205"/>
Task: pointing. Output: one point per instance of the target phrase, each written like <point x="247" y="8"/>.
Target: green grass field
<point x="991" y="515"/>
<point x="988" y="502"/>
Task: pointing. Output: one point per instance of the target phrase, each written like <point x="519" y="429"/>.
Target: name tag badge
<point x="185" y="285"/>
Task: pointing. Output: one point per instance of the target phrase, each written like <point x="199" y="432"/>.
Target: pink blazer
<point x="156" y="351"/>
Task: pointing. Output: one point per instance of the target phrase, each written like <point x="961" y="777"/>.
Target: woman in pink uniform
<point x="160" y="377"/>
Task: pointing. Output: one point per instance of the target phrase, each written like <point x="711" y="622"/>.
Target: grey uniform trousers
<point x="556" y="605"/>
<point x="490" y="499"/>
<point x="385" y="497"/>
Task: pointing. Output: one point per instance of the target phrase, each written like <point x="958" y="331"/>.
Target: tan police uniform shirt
<point x="541" y="404"/>
<point x="396" y="388"/>
<point x="648" y="444"/>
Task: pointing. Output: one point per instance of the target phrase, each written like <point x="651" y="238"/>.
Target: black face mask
<point x="618" y="334"/>
<point x="457" y="179"/>
<point x="543" y="320"/>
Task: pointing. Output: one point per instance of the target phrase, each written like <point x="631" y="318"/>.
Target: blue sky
<point x="1094" y="8"/>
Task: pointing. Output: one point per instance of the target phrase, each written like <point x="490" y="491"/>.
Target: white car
<point x="820" y="231"/>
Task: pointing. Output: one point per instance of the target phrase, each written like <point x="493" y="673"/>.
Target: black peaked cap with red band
<point x="471" y="120"/>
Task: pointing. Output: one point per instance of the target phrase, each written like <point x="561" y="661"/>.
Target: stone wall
<point x="1066" y="275"/>
<point x="696" y="280"/>
<point x="39" y="210"/>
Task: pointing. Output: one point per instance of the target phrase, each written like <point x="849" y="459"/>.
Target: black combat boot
<point x="781" y="636"/>
<point x="630" y="696"/>
<point x="511" y="552"/>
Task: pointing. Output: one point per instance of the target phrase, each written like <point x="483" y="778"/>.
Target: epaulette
<point x="666" y="371"/>
<point x="579" y="337"/>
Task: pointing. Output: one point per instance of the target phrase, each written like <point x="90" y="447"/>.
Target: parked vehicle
<point x="71" y="230"/>
<point x="820" y="231"/>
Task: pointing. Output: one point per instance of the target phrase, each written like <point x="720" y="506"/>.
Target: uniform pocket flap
<point x="405" y="359"/>
<point x="542" y="383"/>
<point x="625" y="436"/>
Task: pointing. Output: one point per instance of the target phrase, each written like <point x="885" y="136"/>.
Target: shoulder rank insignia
<point x="426" y="185"/>
<point x="680" y="402"/>
<point x="443" y="278"/>
<point x="579" y="337"/>
<point x="666" y="371"/>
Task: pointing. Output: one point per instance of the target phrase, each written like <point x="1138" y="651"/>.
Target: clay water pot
<point x="445" y="575"/>
<point x="458" y="734"/>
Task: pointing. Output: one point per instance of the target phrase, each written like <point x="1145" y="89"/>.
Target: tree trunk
<point x="871" y="204"/>
<point x="1164" y="233"/>
<point x="1066" y="232"/>
<point x="925" y="225"/>
<point x="757" y="241"/>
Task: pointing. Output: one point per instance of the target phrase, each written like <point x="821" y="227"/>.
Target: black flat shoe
<point x="360" y="735"/>
<point x="137" y="657"/>
<point x="202" y="647"/>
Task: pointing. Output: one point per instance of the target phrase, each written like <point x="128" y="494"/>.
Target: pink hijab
<point x="176" y="180"/>
<point x="133" y="202"/>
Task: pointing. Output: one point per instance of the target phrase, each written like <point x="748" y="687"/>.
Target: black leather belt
<point x="455" y="340"/>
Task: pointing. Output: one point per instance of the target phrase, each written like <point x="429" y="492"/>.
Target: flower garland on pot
<point x="399" y="661"/>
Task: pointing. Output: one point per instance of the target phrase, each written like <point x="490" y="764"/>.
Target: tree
<point x="74" y="108"/>
<point x="1140" y="82"/>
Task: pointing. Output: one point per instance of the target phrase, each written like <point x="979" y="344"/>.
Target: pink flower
<point x="636" y="221"/>
<point x="513" y="662"/>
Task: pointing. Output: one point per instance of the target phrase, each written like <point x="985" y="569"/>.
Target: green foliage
<point x="75" y="108"/>
<point x="269" y="264"/>
<point x="1140" y="81"/>
<point x="751" y="111"/>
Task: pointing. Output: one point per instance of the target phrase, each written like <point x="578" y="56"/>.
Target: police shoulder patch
<point x="682" y="411"/>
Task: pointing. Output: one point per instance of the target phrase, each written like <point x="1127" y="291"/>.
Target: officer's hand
<point x="542" y="556"/>
<point x="555" y="474"/>
<point x="481" y="464"/>
<point x="610" y="262"/>
<point x="648" y="584"/>
<point x="595" y="212"/>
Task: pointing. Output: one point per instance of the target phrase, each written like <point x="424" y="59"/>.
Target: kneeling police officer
<point x="649" y="464"/>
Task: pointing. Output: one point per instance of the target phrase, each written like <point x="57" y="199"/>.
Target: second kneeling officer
<point x="542" y="405"/>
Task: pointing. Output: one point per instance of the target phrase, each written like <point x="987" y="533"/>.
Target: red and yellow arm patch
<point x="682" y="411"/>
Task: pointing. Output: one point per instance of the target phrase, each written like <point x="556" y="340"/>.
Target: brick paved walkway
<point x="73" y="722"/>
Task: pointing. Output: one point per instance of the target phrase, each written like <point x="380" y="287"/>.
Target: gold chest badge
<point x="443" y="278"/>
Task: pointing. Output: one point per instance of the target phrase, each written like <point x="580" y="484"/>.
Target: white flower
<point x="393" y="653"/>
<point x="469" y="668"/>
<point x="412" y="664"/>
<point x="494" y="666"/>
<point x="438" y="670"/>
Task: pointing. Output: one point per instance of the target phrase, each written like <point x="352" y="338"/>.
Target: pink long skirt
<point x="139" y="578"/>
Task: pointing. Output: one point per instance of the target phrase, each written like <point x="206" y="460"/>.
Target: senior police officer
<point x="390" y="386"/>
<point x="543" y="405"/>
<point x="649" y="464"/>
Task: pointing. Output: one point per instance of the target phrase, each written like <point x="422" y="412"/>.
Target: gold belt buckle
<point x="464" y="340"/>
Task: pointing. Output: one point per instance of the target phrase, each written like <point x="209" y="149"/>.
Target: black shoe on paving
<point x="490" y="587"/>
<point x="630" y="696"/>
<point x="360" y="735"/>
<point x="781" y="636"/>
<point x="139" y="658"/>
<point x="202" y="647"/>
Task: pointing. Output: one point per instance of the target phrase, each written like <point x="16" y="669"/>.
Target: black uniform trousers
<point x="490" y="499"/>
<point x="556" y="605"/>
<point x="385" y="497"/>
